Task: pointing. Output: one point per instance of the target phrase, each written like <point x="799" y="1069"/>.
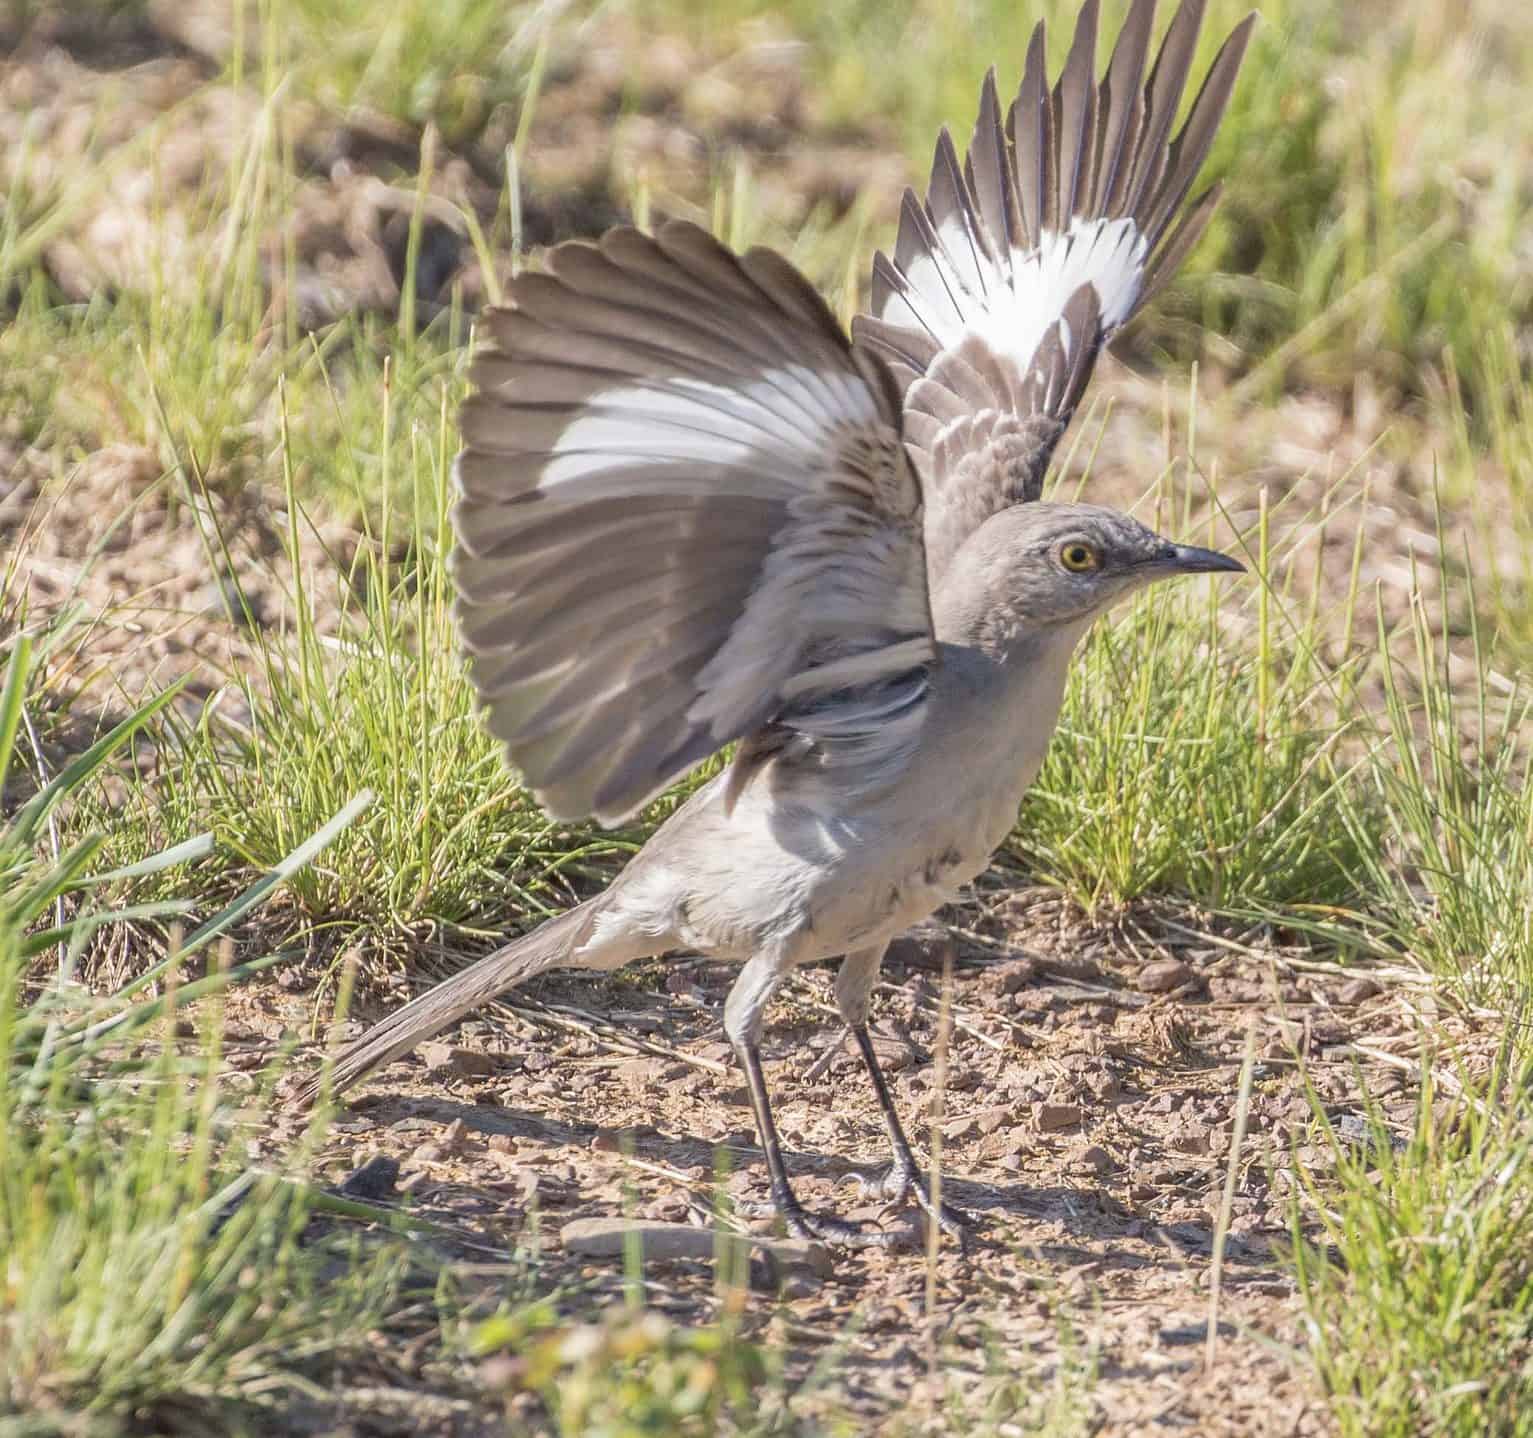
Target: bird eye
<point x="1079" y="557"/>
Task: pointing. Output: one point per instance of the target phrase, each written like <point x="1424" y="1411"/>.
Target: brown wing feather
<point x="684" y="512"/>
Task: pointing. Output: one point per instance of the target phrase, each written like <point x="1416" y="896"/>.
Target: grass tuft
<point x="1423" y="1321"/>
<point x="144" y="1277"/>
<point x="360" y="686"/>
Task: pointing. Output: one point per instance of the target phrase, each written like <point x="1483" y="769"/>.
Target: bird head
<point x="1043" y="565"/>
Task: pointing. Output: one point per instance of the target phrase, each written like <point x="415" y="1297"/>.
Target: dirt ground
<point x="1092" y="1072"/>
<point x="1087" y="1119"/>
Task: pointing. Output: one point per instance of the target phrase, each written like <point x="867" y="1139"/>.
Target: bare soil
<point x="1087" y="1123"/>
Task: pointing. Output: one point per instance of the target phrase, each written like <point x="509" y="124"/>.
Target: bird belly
<point x="952" y="836"/>
<point x="912" y="860"/>
<point x="812" y="873"/>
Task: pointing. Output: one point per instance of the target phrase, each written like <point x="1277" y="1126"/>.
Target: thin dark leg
<point x="905" y="1177"/>
<point x="800" y="1223"/>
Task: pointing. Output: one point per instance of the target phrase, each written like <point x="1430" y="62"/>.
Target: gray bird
<point x="691" y="513"/>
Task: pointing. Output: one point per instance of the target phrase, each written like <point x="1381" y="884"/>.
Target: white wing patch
<point x="1010" y="309"/>
<point x="684" y="513"/>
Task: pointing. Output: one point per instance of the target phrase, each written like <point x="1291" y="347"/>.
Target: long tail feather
<point x="546" y="947"/>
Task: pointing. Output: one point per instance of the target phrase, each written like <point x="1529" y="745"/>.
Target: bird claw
<point x="902" y="1182"/>
<point x="827" y="1228"/>
<point x="820" y="1227"/>
<point x="892" y="1185"/>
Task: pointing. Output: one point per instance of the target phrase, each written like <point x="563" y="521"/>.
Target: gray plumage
<point x="692" y="512"/>
<point x="685" y="511"/>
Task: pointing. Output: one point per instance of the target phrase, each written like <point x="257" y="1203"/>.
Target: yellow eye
<point x="1079" y="558"/>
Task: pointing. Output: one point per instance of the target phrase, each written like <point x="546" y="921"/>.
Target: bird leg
<point x="905" y="1178"/>
<point x="799" y="1221"/>
<point x="854" y="991"/>
<point x="743" y="1012"/>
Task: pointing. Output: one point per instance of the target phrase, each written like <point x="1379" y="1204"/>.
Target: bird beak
<point x="1189" y="559"/>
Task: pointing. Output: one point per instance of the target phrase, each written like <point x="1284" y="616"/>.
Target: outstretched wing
<point x="684" y="512"/>
<point x="1061" y="223"/>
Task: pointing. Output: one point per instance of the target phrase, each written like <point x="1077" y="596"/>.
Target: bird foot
<point x="904" y="1181"/>
<point x="839" y="1232"/>
<point x="821" y="1227"/>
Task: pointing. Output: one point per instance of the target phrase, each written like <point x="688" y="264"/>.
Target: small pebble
<point x="1097" y="1159"/>
<point x="1162" y="976"/>
<point x="1052" y="1117"/>
<point x="1356" y="991"/>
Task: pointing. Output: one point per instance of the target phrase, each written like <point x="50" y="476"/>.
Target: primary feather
<point x="684" y="514"/>
<point x="1065" y="217"/>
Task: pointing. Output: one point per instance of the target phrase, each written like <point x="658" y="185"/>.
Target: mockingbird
<point x="691" y="513"/>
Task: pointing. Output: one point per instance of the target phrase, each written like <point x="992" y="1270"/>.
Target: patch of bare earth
<point x="1087" y="1119"/>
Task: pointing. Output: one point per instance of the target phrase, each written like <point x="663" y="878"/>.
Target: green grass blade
<point x="252" y="896"/>
<point x="185" y="852"/>
<point x="74" y="774"/>
<point x="11" y="697"/>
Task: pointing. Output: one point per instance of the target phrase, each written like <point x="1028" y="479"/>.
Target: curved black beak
<point x="1189" y="559"/>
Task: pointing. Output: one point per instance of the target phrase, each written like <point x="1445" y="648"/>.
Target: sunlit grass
<point x="357" y="684"/>
<point x="1192" y="763"/>
<point x="145" y="1271"/>
<point x="449" y="62"/>
<point x="1453" y="783"/>
<point x="1423" y="1320"/>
